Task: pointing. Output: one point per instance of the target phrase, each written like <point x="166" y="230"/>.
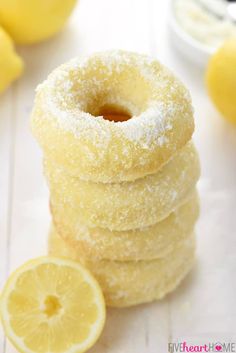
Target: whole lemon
<point x="31" y="21"/>
<point x="221" y="79"/>
<point x="11" y="65"/>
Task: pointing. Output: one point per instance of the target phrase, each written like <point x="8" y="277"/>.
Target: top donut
<point x="111" y="117"/>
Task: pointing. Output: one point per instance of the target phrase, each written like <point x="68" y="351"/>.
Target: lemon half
<point x="52" y="305"/>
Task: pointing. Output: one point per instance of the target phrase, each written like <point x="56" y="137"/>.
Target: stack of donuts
<point x="115" y="129"/>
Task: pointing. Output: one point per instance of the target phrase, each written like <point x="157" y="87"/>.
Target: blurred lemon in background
<point x="30" y="21"/>
<point x="11" y="65"/>
<point x="221" y="79"/>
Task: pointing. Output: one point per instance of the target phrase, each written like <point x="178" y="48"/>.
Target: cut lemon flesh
<point x="52" y="305"/>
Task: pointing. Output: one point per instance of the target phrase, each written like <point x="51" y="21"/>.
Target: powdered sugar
<point x="153" y="123"/>
<point x="69" y="105"/>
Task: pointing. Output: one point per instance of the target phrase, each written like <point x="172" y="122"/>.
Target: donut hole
<point x="114" y="113"/>
<point x="115" y="91"/>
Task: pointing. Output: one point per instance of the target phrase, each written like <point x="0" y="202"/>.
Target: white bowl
<point x="190" y="47"/>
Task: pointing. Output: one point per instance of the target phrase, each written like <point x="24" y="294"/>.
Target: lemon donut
<point x="126" y="205"/>
<point x="140" y="244"/>
<point x="133" y="282"/>
<point x="114" y="116"/>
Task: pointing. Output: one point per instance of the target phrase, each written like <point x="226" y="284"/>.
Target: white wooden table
<point x="203" y="309"/>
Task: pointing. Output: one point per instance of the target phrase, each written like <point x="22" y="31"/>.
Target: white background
<point x="203" y="309"/>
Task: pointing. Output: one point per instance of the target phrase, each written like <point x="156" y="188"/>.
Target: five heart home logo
<point x="218" y="347"/>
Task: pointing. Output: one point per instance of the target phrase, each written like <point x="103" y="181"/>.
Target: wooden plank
<point x="140" y="329"/>
<point x="202" y="310"/>
<point x="6" y="148"/>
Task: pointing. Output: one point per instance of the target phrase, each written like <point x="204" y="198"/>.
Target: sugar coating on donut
<point x="133" y="282"/>
<point x="137" y="244"/>
<point x="127" y="205"/>
<point x="72" y="100"/>
<point x="153" y="122"/>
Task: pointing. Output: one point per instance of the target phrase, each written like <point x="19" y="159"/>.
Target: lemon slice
<point x="52" y="305"/>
